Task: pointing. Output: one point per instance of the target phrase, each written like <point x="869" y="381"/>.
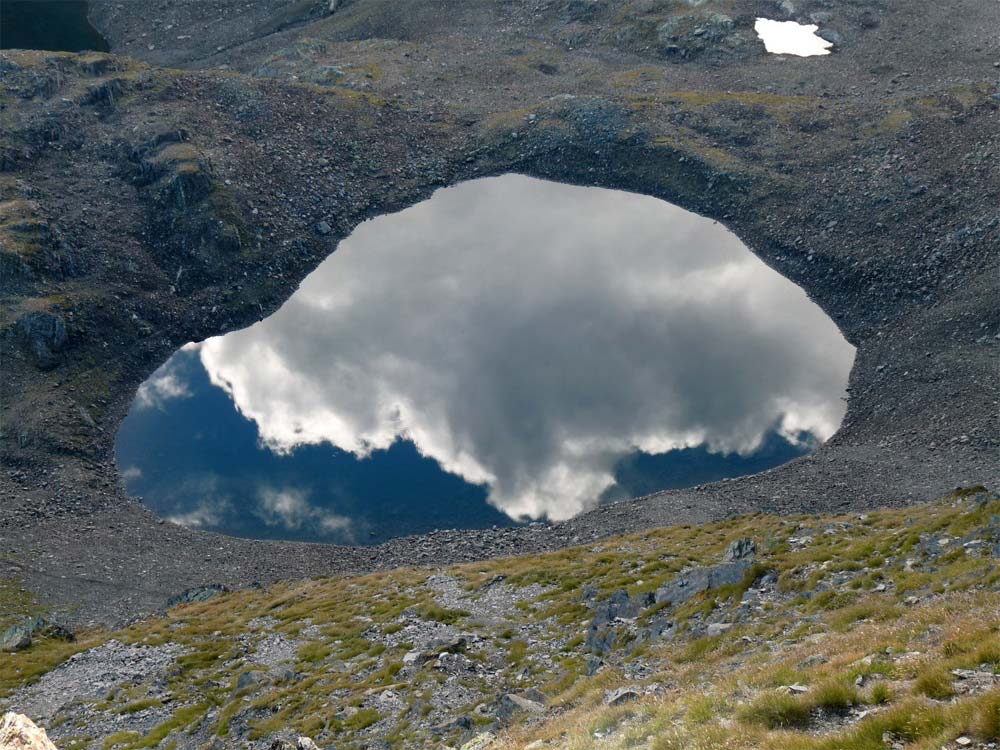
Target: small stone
<point x="323" y="228"/>
<point x="479" y="742"/>
<point x="812" y="661"/>
<point x="620" y="695"/>
<point x="511" y="703"/>
<point x="717" y="628"/>
<point x="963" y="741"/>
<point x="305" y="743"/>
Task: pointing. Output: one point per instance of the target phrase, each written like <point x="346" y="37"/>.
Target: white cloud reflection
<point x="159" y="389"/>
<point x="527" y="334"/>
<point x="290" y="509"/>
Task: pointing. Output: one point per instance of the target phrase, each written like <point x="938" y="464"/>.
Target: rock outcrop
<point x="18" y="732"/>
<point x="44" y="336"/>
<point x="19" y="636"/>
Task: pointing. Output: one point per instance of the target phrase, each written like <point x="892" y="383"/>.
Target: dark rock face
<point x="512" y="703"/>
<point x="196" y="594"/>
<point x="615" y="618"/>
<point x="687" y="585"/>
<point x="15" y="638"/>
<point x="740" y="549"/>
<point x="604" y="628"/>
<point x="19" y="637"/>
<point x="250" y="679"/>
<point x="44" y="336"/>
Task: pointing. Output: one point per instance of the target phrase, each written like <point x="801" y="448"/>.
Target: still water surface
<point x="509" y="349"/>
<point x="48" y="24"/>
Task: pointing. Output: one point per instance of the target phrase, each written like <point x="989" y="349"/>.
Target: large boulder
<point x="618" y="609"/>
<point x="19" y="637"/>
<point x="690" y="583"/>
<point x="512" y="703"/>
<point x="15" y="638"/>
<point x="736" y="561"/>
<point x="44" y="336"/>
<point x="740" y="549"/>
<point x="18" y="732"/>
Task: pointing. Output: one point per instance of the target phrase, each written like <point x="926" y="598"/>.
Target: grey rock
<point x="717" y="628"/>
<point x="535" y="695"/>
<point x="512" y="703"/>
<point x="44" y="336"/>
<point x="620" y="695"/>
<point x="196" y="594"/>
<point x="15" y="638"/>
<point x="812" y="661"/>
<point x="20" y="636"/>
<point x="604" y="630"/>
<point x="323" y="228"/>
<point x="284" y="674"/>
<point x="739" y="549"/>
<point x="479" y="742"/>
<point x="250" y="679"/>
<point x="416" y="657"/>
<point x="832" y="36"/>
<point x="692" y="582"/>
<point x="594" y="664"/>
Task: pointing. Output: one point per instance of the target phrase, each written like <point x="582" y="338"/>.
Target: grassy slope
<point x="898" y="598"/>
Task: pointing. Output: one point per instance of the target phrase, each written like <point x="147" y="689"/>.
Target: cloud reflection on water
<point x="528" y="335"/>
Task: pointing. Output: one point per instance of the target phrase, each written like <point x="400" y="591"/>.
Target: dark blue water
<point x="196" y="460"/>
<point x="59" y="25"/>
<point x="508" y="350"/>
<point x="202" y="464"/>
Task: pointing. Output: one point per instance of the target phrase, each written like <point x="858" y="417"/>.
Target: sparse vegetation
<point x="814" y="665"/>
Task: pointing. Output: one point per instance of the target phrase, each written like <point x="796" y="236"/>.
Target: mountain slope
<point x="862" y="631"/>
